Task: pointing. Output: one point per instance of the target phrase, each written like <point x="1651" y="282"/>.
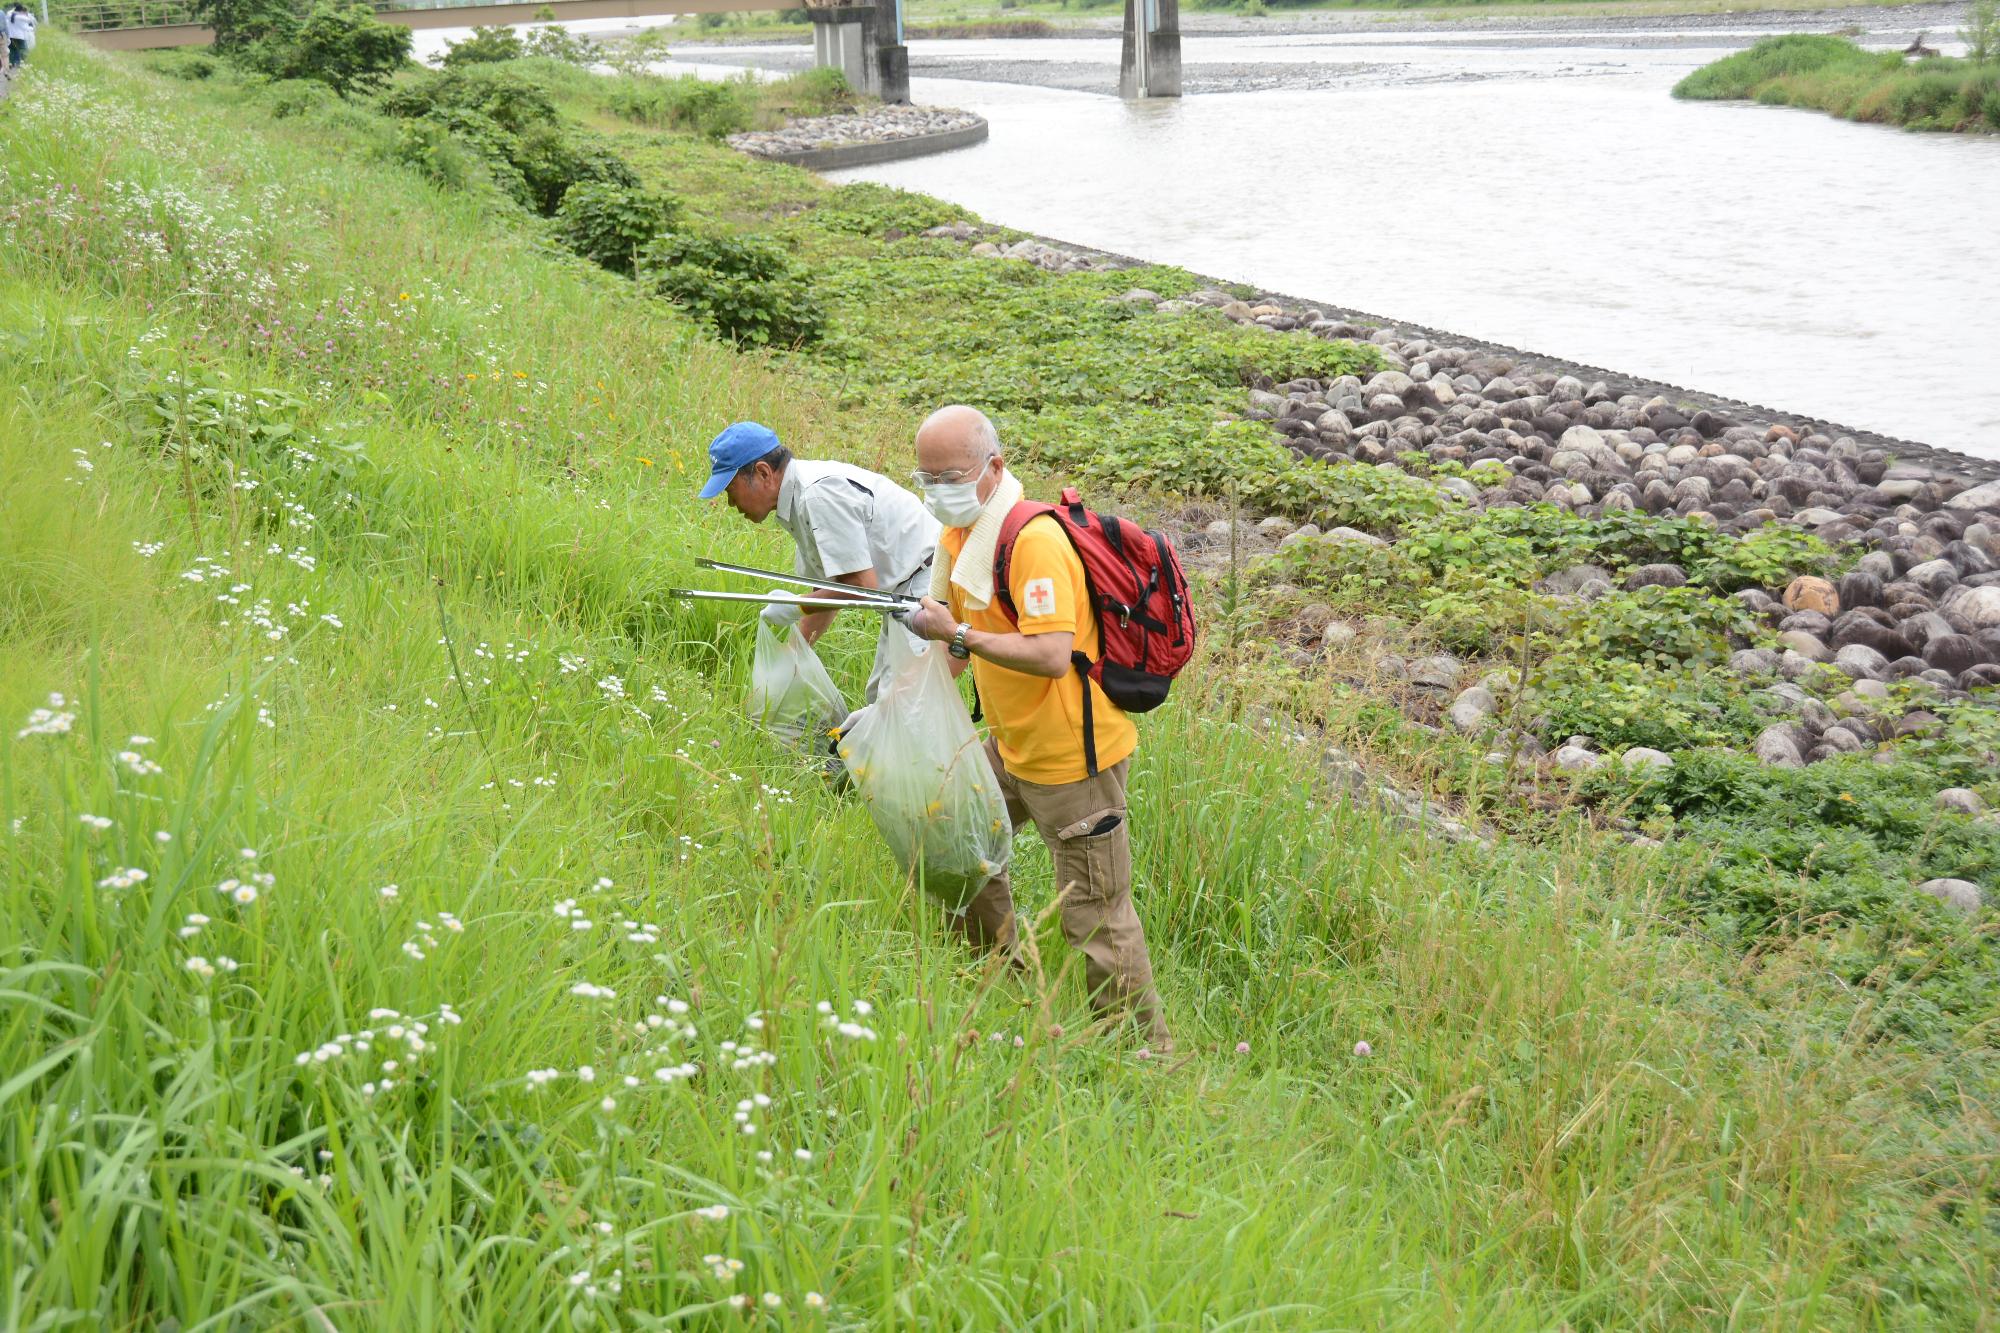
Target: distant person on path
<point x="848" y="524"/>
<point x="20" y="35"/>
<point x="1034" y="702"/>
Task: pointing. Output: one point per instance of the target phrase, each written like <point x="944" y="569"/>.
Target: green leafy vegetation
<point x="485" y="46"/>
<point x="402" y="924"/>
<point x="1834" y="75"/>
<point x="507" y="122"/>
<point x="742" y="287"/>
<point x="611" y="224"/>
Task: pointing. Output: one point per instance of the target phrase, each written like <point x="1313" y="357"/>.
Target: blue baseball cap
<point x="738" y="446"/>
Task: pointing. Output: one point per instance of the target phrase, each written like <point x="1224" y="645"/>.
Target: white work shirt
<point x="21" y="26"/>
<point x="846" y="519"/>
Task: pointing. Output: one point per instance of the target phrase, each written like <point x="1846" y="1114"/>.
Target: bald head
<point x="956" y="439"/>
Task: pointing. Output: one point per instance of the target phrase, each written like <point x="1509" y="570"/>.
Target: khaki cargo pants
<point x="1094" y="878"/>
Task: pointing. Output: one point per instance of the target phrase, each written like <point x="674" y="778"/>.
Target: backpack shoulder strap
<point x="1023" y="513"/>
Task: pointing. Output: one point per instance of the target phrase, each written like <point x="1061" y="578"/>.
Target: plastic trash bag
<point x="791" y="695"/>
<point x="917" y="763"/>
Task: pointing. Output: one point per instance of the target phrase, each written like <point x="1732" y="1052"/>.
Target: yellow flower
<point x="402" y="296"/>
<point x="647" y="461"/>
<point x="520" y="374"/>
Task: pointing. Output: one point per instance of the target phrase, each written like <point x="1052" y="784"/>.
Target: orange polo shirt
<point x="1038" y="722"/>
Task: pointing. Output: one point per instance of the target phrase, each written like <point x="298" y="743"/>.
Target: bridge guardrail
<point x="110" y="15"/>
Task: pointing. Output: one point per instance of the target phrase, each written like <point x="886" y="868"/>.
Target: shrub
<point x="1981" y="33"/>
<point x="553" y="43"/>
<point x="431" y="148"/>
<point x="242" y="24"/>
<point x="486" y="46"/>
<point x="610" y="224"/>
<point x="509" y="99"/>
<point x="552" y="160"/>
<point x="511" y="121"/>
<point x="343" y="46"/>
<point x="741" y="286"/>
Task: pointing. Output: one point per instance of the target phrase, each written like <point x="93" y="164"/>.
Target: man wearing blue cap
<point x="848" y="524"/>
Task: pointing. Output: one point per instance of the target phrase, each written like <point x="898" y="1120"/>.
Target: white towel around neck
<point x="972" y="571"/>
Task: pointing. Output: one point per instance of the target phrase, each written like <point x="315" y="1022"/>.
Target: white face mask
<point x="954" y="504"/>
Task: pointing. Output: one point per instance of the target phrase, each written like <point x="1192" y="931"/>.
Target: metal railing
<point x="111" y="15"/>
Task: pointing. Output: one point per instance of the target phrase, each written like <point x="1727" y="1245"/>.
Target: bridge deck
<point x="138" y="25"/>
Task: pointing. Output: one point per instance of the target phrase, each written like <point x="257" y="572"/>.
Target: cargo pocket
<point x="1093" y="856"/>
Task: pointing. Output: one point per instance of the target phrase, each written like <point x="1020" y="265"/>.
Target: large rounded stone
<point x="1861" y="662"/>
<point x="1573" y="758"/>
<point x="1804" y="644"/>
<point x="1978" y="606"/>
<point x="1797" y="666"/>
<point x="1959" y="895"/>
<point x="1473" y="709"/>
<point x="1916" y="722"/>
<point x="1754" y="662"/>
<point x="1933" y="576"/>
<point x="1859" y="589"/>
<point x="1438" y="672"/>
<point x="1982" y="677"/>
<point x="1857" y="626"/>
<point x="1807" y="622"/>
<point x="1924" y="626"/>
<point x="1953" y="653"/>
<point x="1657" y="576"/>
<point x="1777" y="746"/>
<point x="1645" y="759"/>
<point x="1963" y="800"/>
<point x="1808" y="592"/>
<point x="1587" y="581"/>
<point x="1978" y="497"/>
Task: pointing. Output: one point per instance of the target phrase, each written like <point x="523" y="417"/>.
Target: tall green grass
<point x="433" y="480"/>
<point x="1834" y="75"/>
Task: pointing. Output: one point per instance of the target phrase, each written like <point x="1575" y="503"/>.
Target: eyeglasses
<point x="954" y="477"/>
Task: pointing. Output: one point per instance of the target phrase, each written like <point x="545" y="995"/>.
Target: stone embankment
<point x="878" y="134"/>
<point x="1922" y="602"/>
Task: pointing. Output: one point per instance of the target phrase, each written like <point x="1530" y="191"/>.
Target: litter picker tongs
<point x="851" y="598"/>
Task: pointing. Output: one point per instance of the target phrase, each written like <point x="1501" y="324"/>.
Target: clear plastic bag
<point x="919" y="768"/>
<point x="791" y="695"/>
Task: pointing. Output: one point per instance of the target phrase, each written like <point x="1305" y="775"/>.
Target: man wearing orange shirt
<point x="1034" y="704"/>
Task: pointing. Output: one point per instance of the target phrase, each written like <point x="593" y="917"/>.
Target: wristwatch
<point x="957" y="648"/>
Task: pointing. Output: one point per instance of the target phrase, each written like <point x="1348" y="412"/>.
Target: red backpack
<point x="1145" y="618"/>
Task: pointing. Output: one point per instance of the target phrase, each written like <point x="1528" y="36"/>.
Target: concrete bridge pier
<point x="1151" y="66"/>
<point x="864" y="42"/>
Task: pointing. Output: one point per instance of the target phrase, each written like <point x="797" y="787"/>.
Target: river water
<point x="1539" y="191"/>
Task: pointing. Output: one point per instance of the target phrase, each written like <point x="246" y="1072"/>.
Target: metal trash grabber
<point x="898" y="608"/>
<point x="824" y="585"/>
<point x="857" y="599"/>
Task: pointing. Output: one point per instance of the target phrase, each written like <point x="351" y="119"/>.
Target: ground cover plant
<point x="403" y="928"/>
<point x="1834" y="75"/>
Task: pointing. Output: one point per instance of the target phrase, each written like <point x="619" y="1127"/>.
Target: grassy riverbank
<point x="341" y="504"/>
<point x="1834" y="75"/>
